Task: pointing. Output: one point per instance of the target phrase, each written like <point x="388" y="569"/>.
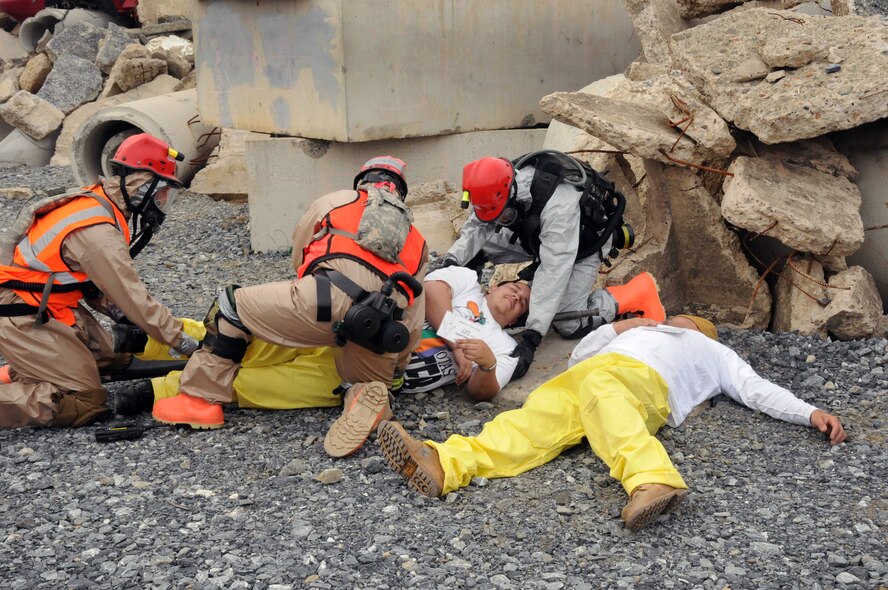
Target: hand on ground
<point x="830" y="425"/>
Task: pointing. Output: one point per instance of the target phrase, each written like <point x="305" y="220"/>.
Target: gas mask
<point x="149" y="206"/>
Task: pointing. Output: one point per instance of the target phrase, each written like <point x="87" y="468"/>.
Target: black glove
<point x="128" y="338"/>
<point x="525" y="350"/>
<point x="449" y="262"/>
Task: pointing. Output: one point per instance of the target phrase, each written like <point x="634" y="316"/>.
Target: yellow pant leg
<point x="623" y="404"/>
<point x="276" y="378"/>
<point x="518" y="440"/>
<point x="158" y="351"/>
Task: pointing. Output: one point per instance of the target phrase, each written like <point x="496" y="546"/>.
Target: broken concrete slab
<point x="565" y="138"/>
<point x="10" y="47"/>
<point x="805" y="209"/>
<point x="818" y="153"/>
<point x="9" y="83"/>
<point x="135" y="72"/>
<point x="155" y="11"/>
<point x="856" y="308"/>
<point x="627" y="126"/>
<point x="225" y="176"/>
<point x="77" y="38"/>
<point x="72" y="82"/>
<point x="224" y="179"/>
<point x="35" y="72"/>
<point x="674" y="97"/>
<point x="718" y="281"/>
<point x="436" y="213"/>
<point x="32" y="115"/>
<point x="792" y="49"/>
<point x="655" y="21"/>
<point x="134" y="67"/>
<point x="275" y="166"/>
<point x="168" y="43"/>
<point x="159" y="86"/>
<point x="111" y="46"/>
<point x="808" y="101"/>
<point x="800" y="298"/>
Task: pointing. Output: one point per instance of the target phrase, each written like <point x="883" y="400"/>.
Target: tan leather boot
<point x="418" y="463"/>
<point x="364" y="407"/>
<point x="648" y="501"/>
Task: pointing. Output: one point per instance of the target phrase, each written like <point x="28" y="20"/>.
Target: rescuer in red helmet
<point x="556" y="212"/>
<point x="359" y="263"/>
<point x="72" y="249"/>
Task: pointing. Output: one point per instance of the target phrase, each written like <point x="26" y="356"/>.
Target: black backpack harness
<point x="601" y="205"/>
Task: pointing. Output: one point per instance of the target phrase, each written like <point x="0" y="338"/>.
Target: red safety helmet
<point x="396" y="166"/>
<point x="488" y="184"/>
<point x="146" y="152"/>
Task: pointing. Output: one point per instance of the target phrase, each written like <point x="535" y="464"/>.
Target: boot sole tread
<point x="353" y="428"/>
<point x="652" y="511"/>
<point x="399" y="458"/>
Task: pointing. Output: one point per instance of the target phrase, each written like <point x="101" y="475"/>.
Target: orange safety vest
<point x="336" y="236"/>
<point x="38" y="255"/>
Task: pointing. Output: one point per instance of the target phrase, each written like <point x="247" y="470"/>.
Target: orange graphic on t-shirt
<point x="473" y="307"/>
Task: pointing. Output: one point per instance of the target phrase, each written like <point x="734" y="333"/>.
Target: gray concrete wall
<point x="379" y="69"/>
<point x="285" y="175"/>
<point x="867" y="148"/>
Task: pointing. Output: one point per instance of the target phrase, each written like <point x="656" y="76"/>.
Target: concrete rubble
<point x="62" y="67"/>
<point x="733" y="125"/>
<point x="722" y="136"/>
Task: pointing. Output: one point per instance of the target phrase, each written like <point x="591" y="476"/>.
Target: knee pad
<point x="224" y="305"/>
<point x="224" y="346"/>
<point x="227" y="347"/>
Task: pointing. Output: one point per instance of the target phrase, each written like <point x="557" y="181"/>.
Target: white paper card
<point x="455" y="327"/>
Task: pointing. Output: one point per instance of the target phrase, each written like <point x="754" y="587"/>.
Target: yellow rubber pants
<point x="271" y="377"/>
<point x="616" y="402"/>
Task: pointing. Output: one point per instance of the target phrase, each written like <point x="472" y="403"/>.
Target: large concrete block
<point x="380" y="69"/>
<point x="285" y="175"/>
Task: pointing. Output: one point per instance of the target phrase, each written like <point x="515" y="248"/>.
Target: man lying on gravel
<point x="624" y="382"/>
<point x="276" y="377"/>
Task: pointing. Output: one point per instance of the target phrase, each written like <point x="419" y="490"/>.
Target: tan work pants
<point x="54" y="369"/>
<point x="285" y="313"/>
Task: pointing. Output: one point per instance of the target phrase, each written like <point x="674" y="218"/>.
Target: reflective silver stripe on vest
<point x="30" y="252"/>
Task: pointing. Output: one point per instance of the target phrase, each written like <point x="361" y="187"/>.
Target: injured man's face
<point x="508" y="302"/>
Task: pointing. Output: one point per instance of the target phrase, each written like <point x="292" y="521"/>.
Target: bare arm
<point x="482" y="385"/>
<point x="439" y="298"/>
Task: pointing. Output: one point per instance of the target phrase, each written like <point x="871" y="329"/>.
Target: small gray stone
<point x="847" y="578"/>
<point x="329" y="476"/>
<point x="294" y="467"/>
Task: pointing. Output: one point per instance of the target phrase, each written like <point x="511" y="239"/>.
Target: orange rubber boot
<point x="188" y="409"/>
<point x="639" y="296"/>
<point x="4" y="374"/>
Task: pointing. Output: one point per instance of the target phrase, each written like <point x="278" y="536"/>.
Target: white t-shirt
<point x="695" y="369"/>
<point x="432" y="364"/>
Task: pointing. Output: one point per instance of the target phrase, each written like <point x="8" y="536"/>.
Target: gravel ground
<point x="772" y="505"/>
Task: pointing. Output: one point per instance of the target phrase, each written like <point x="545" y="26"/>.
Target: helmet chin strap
<point x="146" y="216"/>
